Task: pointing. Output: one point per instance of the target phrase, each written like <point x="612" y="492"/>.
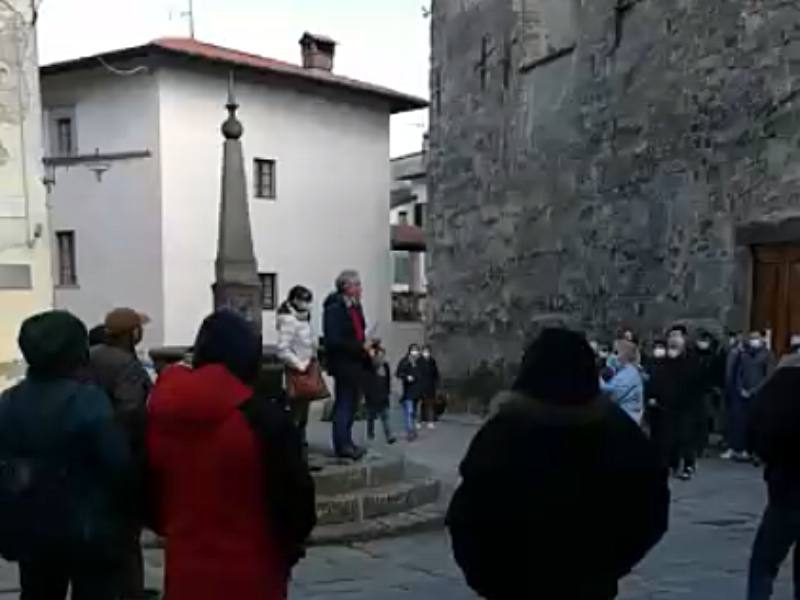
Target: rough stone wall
<point x="592" y="160"/>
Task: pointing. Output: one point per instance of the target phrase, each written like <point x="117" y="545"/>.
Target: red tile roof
<point x="187" y="47"/>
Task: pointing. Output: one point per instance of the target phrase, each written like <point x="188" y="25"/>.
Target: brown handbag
<point x="308" y="385"/>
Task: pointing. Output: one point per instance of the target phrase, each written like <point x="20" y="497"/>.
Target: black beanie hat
<point x="54" y="343"/>
<point x="559" y="367"/>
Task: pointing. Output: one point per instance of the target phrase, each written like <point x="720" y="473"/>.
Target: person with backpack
<point x="66" y="468"/>
<point x="116" y="368"/>
<point x="232" y="494"/>
<point x="409" y="372"/>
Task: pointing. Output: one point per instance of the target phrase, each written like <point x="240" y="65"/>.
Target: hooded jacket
<point x="209" y="489"/>
<point x="556" y="501"/>
<point x="54" y="419"/>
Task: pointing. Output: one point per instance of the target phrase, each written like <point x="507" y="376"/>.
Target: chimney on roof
<point x="317" y="51"/>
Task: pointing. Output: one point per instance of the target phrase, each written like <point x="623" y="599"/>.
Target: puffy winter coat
<point x="216" y="489"/>
<point x="297" y="345"/>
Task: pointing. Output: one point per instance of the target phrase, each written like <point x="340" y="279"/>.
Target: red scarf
<point x="358" y="322"/>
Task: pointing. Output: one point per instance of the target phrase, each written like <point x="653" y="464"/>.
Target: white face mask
<point x="755" y="343"/>
<point x="659" y="352"/>
<point x="426" y="354"/>
<point x="673" y="353"/>
<point x="703" y="345"/>
<point x="414" y="354"/>
<point x="302" y="306"/>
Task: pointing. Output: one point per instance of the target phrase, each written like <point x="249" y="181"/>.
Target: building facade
<point x="407" y="217"/>
<point x="136" y="195"/>
<point x="611" y="163"/>
<point x="25" y="281"/>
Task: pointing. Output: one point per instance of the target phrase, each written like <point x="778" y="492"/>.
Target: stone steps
<point x="374" y="502"/>
<point x="424" y="518"/>
<point x="381" y="496"/>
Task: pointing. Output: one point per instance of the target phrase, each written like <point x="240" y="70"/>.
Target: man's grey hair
<point x="346" y="279"/>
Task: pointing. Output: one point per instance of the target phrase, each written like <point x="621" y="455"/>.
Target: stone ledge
<point x="375" y="502"/>
<point x="425" y="518"/>
<point x="374" y="472"/>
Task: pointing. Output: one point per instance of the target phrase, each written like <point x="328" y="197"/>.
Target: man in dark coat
<point x="65" y="531"/>
<point x="774" y="434"/>
<point x="117" y="369"/>
<point x="680" y="397"/>
<point x="562" y="494"/>
<point x="711" y="379"/>
<point x="751" y="368"/>
<point x="349" y="358"/>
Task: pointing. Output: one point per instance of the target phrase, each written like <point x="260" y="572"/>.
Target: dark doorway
<point x="776" y="292"/>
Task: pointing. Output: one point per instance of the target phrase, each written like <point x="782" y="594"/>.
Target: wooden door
<point x="776" y="293"/>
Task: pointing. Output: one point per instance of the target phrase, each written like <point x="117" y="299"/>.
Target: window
<point x="269" y="291"/>
<point x="64" y="136"/>
<point x="402" y="268"/>
<point x="402" y="217"/>
<point x="67" y="274"/>
<point x="419" y="215"/>
<point x="63" y="140"/>
<point x="264" y="178"/>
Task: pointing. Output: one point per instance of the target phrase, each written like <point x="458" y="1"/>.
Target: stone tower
<point x="609" y="163"/>
<point x="237" y="285"/>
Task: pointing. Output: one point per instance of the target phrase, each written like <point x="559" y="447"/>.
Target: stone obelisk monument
<point x="236" y="286"/>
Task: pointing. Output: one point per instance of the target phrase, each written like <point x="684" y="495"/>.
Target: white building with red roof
<point x="133" y="154"/>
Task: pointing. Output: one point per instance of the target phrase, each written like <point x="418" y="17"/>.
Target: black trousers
<point x="778" y="534"/>
<point x="680" y="433"/>
<point x="50" y="578"/>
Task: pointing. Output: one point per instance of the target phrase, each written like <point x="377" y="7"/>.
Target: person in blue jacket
<point x="626" y="388"/>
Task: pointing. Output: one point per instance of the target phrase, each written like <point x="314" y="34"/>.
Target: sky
<point x="380" y="41"/>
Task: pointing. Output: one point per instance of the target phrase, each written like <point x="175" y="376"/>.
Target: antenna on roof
<point x="189" y="14"/>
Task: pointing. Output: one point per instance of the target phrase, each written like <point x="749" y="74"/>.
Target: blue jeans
<point x="739" y="413"/>
<point x="409" y="415"/>
<point x="778" y="533"/>
<point x="344" y="411"/>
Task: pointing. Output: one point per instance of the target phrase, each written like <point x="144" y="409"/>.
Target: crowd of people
<point x="569" y="475"/>
<point x="92" y="451"/>
<point x="681" y="388"/>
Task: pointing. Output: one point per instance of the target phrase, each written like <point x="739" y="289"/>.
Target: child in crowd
<point x="378" y="400"/>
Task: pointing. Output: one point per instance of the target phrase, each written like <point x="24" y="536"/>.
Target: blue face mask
<point x="613" y="362"/>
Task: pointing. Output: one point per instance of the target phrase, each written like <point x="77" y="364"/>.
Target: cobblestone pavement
<point x="703" y="557"/>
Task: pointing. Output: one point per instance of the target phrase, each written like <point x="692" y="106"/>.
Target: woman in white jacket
<point x="297" y="345"/>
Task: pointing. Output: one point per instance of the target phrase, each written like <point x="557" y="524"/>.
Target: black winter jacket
<point x="411" y="374"/>
<point x="345" y="355"/>
<point x="775" y="435"/>
<point x="556" y="501"/>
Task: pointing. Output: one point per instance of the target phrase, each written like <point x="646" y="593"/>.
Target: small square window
<point x="269" y="291"/>
<point x="65" y="246"/>
<point x="402" y="217"/>
<point x="264" y="178"/>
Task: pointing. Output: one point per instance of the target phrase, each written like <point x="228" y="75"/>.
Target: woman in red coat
<point x="232" y="496"/>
